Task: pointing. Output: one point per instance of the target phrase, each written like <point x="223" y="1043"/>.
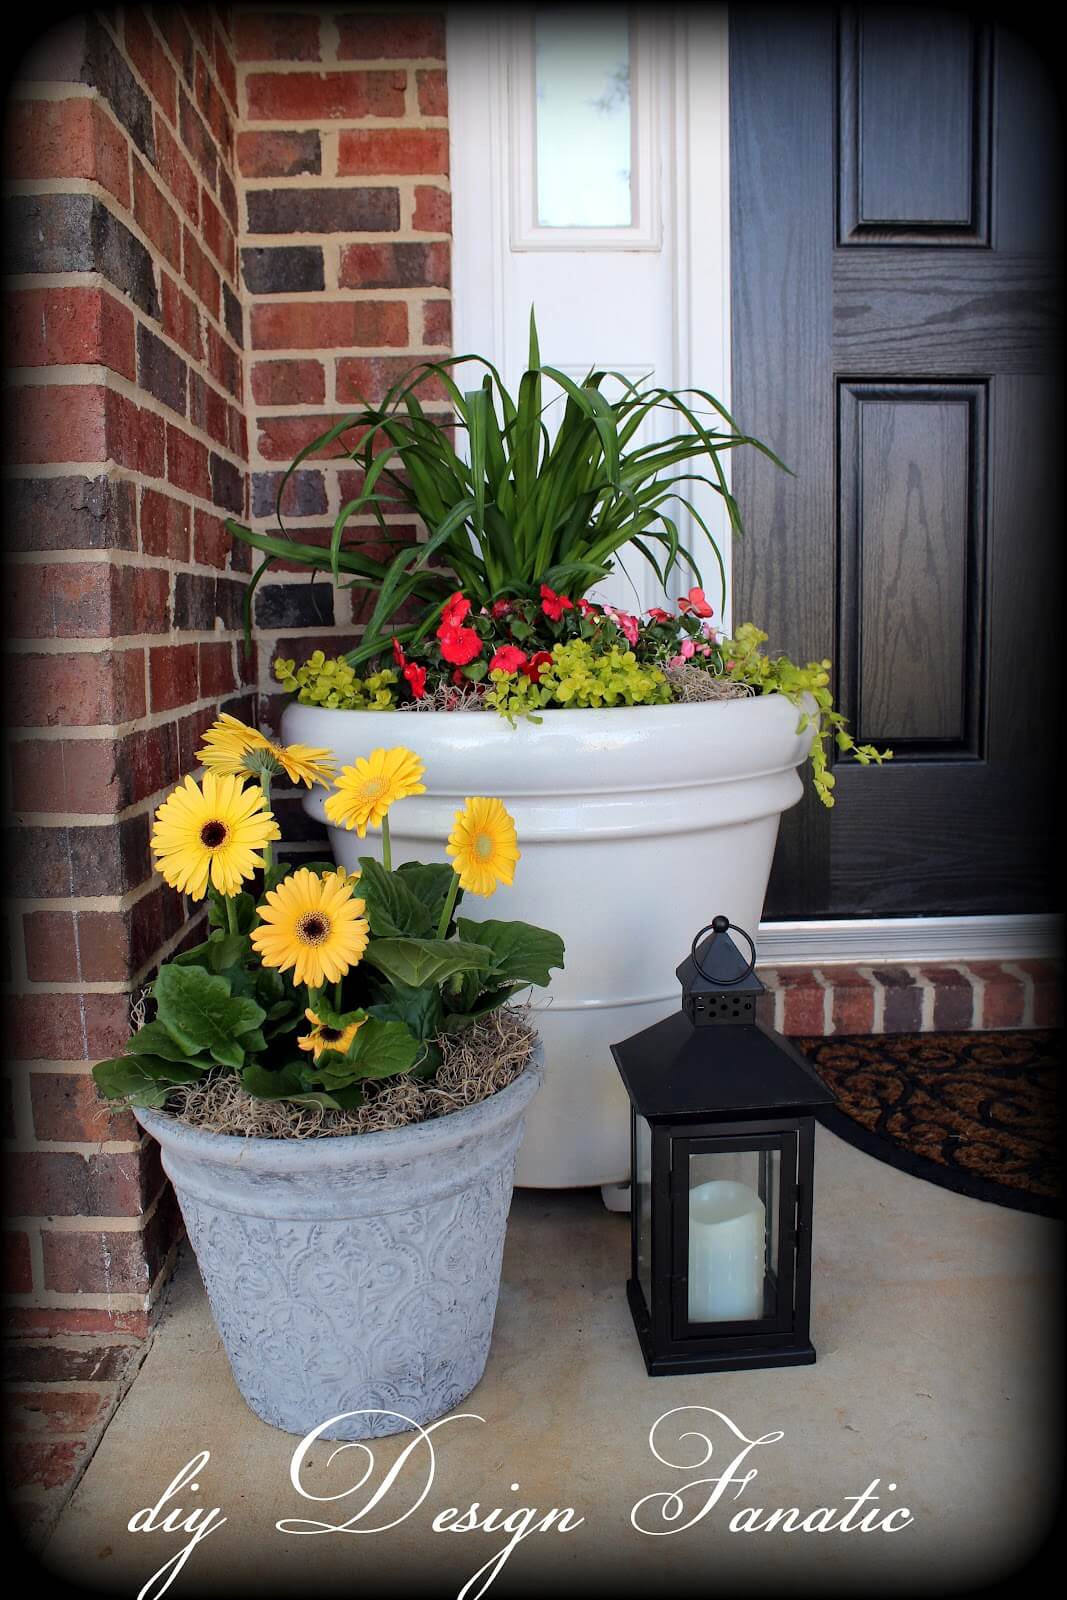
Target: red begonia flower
<point x="695" y="602"/>
<point x="532" y="669"/>
<point x="416" y="677"/>
<point x="455" y="610"/>
<point x="459" y="645"/>
<point x="398" y="652"/>
<point x="509" y="658"/>
<point x="554" y="605"/>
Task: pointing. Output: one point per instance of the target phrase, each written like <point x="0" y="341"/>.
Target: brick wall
<point x="178" y="181"/>
<point x="342" y="156"/>
<point x="127" y="445"/>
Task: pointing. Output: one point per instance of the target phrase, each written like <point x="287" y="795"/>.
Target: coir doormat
<point x="973" y="1112"/>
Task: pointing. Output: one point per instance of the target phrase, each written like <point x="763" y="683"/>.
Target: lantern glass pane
<point x="642" y="1203"/>
<point x="733" y="1237"/>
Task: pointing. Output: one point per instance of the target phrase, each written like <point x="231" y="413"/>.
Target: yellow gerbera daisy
<point x="228" y="741"/>
<point x="314" y="925"/>
<point x="322" y="1037"/>
<point x="484" y="846"/>
<point x="365" y="792"/>
<point x="213" y="834"/>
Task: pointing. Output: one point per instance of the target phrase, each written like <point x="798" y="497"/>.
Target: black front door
<point x="895" y="203"/>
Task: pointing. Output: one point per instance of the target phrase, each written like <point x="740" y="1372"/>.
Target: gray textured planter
<point x="358" y="1273"/>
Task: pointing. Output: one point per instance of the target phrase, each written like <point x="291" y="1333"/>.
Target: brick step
<point x="912" y="997"/>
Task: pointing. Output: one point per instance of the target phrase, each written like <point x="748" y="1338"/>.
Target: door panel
<point x="895" y="338"/>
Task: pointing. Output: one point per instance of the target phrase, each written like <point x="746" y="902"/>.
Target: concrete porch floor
<point x="933" y="1320"/>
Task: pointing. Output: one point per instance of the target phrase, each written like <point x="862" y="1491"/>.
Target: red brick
<point x="288" y="383"/>
<point x="69" y="327"/>
<point x="265" y="36"/>
<point x="33" y="1463"/>
<point x="18" y="1268"/>
<point x="67" y="139"/>
<point x="437" y="323"/>
<point x="78" y="690"/>
<point x="211" y="542"/>
<point x="1047" y="980"/>
<point x="181" y="319"/>
<point x="67" y="1027"/>
<point x="803" y="1008"/>
<point x="279" y="153"/>
<point x="109" y="1262"/>
<point x="176" y="172"/>
<point x="201" y="276"/>
<point x="902" y="1007"/>
<point x="223" y="364"/>
<point x="279" y="438"/>
<point x="67" y="1107"/>
<point x="380" y="36"/>
<point x="367" y="379"/>
<point x="311" y="326"/>
<point x="852" y="1000"/>
<point x="173" y="674"/>
<point x="51" y="947"/>
<point x="187" y="463"/>
<point x="213" y="107"/>
<point x="1003" y="998"/>
<point x="156" y="217"/>
<point x="44" y="1411"/>
<point x="164" y="526"/>
<point x="322" y="96"/>
<point x="401" y="266"/>
<point x="42" y="1321"/>
<point x="62" y="422"/>
<point x="216" y="669"/>
<point x="954" y="999"/>
<point x="363" y="151"/>
<point x="142" y="46"/>
<point x="226" y="71"/>
<point x="83" y="1360"/>
<point x="218" y="237"/>
<point x="433" y="92"/>
<point x="433" y="210"/>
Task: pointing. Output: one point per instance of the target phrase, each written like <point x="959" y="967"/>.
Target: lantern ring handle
<point x="722" y="925"/>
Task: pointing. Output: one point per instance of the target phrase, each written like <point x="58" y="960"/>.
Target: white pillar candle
<point x="726" y="1252"/>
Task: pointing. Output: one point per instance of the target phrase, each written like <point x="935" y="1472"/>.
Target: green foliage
<point x="331" y="681"/>
<point x="201" y="1014"/>
<point x="745" y="663"/>
<point x="418" y="963"/>
<point x="518" y="506"/>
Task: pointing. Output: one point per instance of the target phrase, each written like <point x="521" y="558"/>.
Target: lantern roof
<point x="675" y="1070"/>
<point x="716" y="964"/>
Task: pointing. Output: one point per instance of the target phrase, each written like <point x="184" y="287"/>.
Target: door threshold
<point x="865" y="939"/>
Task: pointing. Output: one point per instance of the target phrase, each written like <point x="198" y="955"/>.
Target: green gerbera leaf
<point x="199" y="1011"/>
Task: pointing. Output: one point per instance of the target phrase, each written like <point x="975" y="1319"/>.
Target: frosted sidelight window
<point x="583" y="117"/>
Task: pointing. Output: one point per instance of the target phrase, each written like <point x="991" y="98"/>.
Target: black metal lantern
<point x="722" y="1161"/>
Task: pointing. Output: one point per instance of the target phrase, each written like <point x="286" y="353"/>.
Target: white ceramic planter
<point x="353" y="1274"/>
<point x="637" y="825"/>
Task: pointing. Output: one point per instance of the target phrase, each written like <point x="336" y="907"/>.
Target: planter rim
<point x="290" y="1156"/>
<point x="570" y="716"/>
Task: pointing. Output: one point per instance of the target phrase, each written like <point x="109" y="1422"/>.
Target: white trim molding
<point x="898" y="939"/>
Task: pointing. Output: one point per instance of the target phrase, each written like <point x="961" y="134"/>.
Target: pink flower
<point x="694" y="602"/>
<point x="532" y="669"/>
<point x="687" y="649"/>
<point x="586" y="609"/>
<point x="416" y="677"/>
<point x="509" y="658"/>
<point x="454" y="612"/>
<point x="657" y="614"/>
<point x="459" y="645"/>
<point x="554" y="605"/>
